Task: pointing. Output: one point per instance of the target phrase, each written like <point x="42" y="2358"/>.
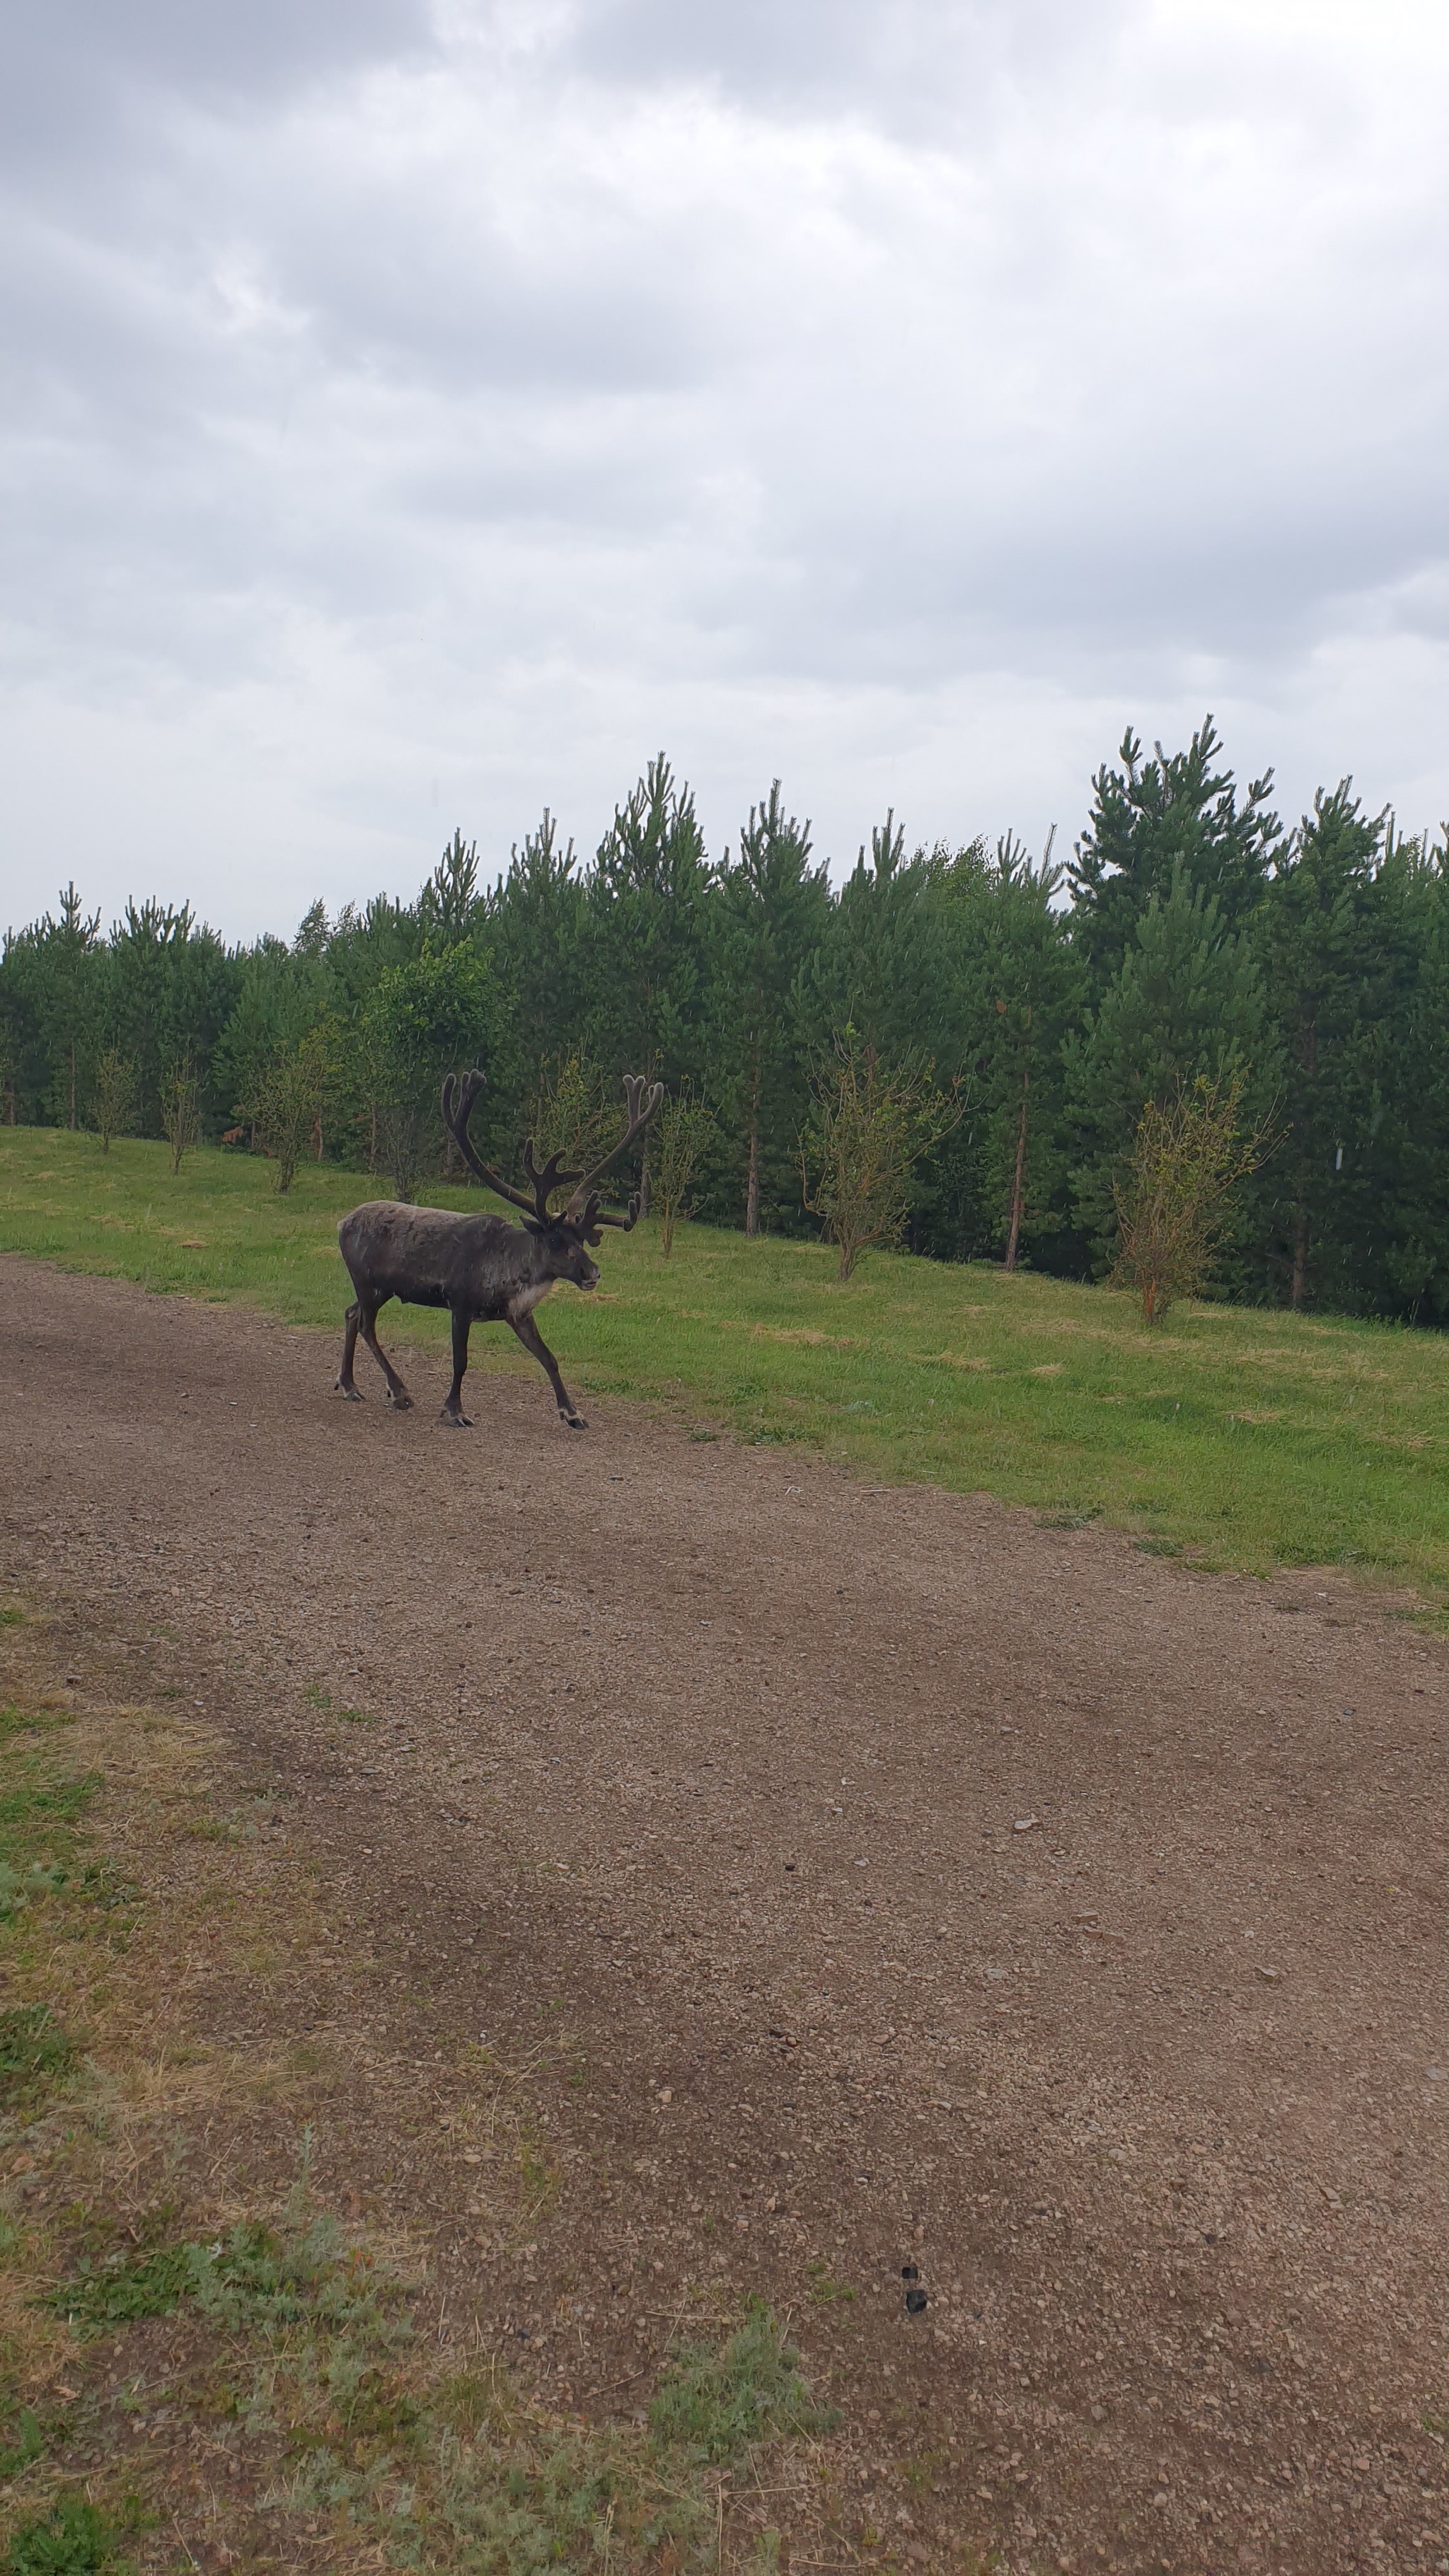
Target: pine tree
<point x="646" y="932"/>
<point x="1187" y="1002"/>
<point x="536" y="939"/>
<point x="1330" y="972"/>
<point x="1027" y="981"/>
<point x="1150" y="821"/>
<point x="168" y="989"/>
<point x="772" y="912"/>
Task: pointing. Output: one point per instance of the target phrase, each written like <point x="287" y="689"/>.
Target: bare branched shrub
<point x="682" y="1137"/>
<point x="1172" y="1207"/>
<point x="113" y="1095"/>
<point x="287" y="1105"/>
<point x="180" y="1111"/>
<point x="869" y="1127"/>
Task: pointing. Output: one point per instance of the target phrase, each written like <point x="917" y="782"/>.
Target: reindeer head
<point x="566" y="1235"/>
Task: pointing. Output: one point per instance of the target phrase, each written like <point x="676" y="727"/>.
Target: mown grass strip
<point x="1247" y="1438"/>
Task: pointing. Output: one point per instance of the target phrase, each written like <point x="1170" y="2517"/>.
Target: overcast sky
<point x="418" y="414"/>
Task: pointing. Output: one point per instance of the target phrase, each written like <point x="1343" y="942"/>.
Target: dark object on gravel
<point x="484" y="1270"/>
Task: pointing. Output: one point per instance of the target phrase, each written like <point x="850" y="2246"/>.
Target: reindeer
<point x="484" y="1270"/>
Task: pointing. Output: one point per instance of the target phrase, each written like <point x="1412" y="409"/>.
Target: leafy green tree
<point x="1187" y="1157"/>
<point x="1156" y="821"/>
<point x="180" y="1111"/>
<point x="281" y="993"/>
<point x="425" y="1020"/>
<point x="870" y="1123"/>
<point x="113" y="1095"/>
<point x="291" y="1098"/>
<point x="1187" y="1001"/>
<point x="685" y="1130"/>
<point x="572" y="1112"/>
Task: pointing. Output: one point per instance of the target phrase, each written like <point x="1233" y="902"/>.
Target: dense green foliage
<point x="1191" y="936"/>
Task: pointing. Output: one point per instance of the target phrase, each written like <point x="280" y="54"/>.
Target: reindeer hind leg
<point x="397" y="1394"/>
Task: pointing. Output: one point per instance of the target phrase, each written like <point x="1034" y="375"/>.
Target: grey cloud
<point x="83" y="72"/>
<point x="372" y="372"/>
<point x="932" y="65"/>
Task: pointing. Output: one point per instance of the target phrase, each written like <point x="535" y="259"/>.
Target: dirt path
<point x="923" y="1888"/>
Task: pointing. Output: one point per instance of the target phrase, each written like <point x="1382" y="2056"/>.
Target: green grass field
<point x="1237" y="1437"/>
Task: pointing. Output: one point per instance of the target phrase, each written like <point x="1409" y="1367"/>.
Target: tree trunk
<point x="1309" y="1057"/>
<point x="1013" y="1238"/>
<point x="752" y="1185"/>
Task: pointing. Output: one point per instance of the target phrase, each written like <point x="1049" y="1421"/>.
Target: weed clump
<point x="34" y="2052"/>
<point x="122" y="2289"/>
<point x="29" y="2443"/>
<point x="257" y="2280"/>
<point x="720" y="2403"/>
<point x="73" y="2539"/>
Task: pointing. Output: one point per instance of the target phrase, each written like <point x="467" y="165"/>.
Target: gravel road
<point x="921" y="1888"/>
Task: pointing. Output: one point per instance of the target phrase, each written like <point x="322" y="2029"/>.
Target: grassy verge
<point x="203" y="2363"/>
<point x="1246" y="1439"/>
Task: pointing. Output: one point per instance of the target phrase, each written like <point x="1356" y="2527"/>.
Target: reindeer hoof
<point x="573" y="1422"/>
<point x="399" y="1403"/>
<point x="456" y="1421"/>
<point x="353" y="1394"/>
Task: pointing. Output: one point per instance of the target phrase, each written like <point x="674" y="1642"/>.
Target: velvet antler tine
<point x="459" y="1096"/>
<point x="625" y="1224"/>
<point x="641" y="1099"/>
<point x="552" y="1177"/>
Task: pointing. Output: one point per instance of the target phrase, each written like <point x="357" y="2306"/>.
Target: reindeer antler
<point x="459" y="1094"/>
<point x="550" y="1178"/>
<point x="642" y="1098"/>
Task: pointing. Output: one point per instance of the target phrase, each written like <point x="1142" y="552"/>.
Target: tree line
<point x="985" y="1027"/>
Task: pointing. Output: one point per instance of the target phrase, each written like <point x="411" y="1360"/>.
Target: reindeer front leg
<point x="532" y="1340"/>
<point x="346" y="1384"/>
<point x="453" y="1402"/>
